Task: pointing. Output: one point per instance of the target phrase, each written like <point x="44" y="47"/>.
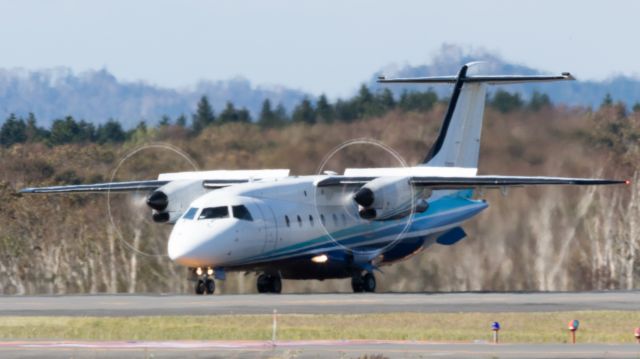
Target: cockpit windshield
<point x="241" y="212"/>
<point x="189" y="214"/>
<point x="214" y="212"/>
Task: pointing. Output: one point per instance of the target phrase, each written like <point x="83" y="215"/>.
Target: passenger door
<point x="270" y="227"/>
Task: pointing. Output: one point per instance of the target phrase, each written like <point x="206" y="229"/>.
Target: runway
<point x="140" y="305"/>
<point x="306" y="349"/>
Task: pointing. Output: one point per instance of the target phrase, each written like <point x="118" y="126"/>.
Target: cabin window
<point x="322" y="220"/>
<point x="344" y="220"/>
<point x="214" y="212"/>
<point x="311" y="219"/>
<point x="335" y="219"/>
<point x="299" y="221"/>
<point x="286" y="220"/>
<point x="189" y="214"/>
<point x="241" y="212"/>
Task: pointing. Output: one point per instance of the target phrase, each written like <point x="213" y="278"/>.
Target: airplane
<point x="327" y="225"/>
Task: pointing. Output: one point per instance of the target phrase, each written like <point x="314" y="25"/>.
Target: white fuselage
<point x="292" y="217"/>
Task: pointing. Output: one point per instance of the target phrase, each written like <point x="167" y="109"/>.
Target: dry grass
<point x="596" y="327"/>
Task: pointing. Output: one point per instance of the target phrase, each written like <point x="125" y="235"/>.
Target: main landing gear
<point x="269" y="284"/>
<point x="204" y="281"/>
<point x="363" y="283"/>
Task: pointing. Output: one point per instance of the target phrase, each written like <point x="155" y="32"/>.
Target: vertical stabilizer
<point x="458" y="144"/>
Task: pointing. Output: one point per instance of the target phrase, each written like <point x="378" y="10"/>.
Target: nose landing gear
<point x="204" y="283"/>
<point x="269" y="284"/>
<point x="363" y="283"/>
<point x="205" y="286"/>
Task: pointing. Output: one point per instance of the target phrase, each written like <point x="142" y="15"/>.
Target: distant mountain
<point x="97" y="96"/>
<point x="574" y="93"/>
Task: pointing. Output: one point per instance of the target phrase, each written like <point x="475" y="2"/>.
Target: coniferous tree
<point x="281" y="114"/>
<point x="386" y="101"/>
<point x="539" y="101"/>
<point x="346" y="111"/>
<point x="110" y="132"/>
<point x="268" y="117"/>
<point x="324" y="110"/>
<point x="35" y="133"/>
<point x="607" y="101"/>
<point x="87" y="132"/>
<point x="67" y="130"/>
<point x="417" y="101"/>
<point x="244" y="115"/>
<point x="505" y="102"/>
<point x="13" y="130"/>
<point x="304" y="113"/>
<point x="365" y="103"/>
<point x="164" y="121"/>
<point x="636" y="107"/>
<point x="204" y="115"/>
<point x="181" y="121"/>
<point x="229" y="114"/>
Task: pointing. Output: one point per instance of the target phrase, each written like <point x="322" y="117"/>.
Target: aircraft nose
<point x="187" y="249"/>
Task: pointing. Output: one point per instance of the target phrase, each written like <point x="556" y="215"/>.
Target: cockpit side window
<point x="214" y="212"/>
<point x="190" y="213"/>
<point x="241" y="212"/>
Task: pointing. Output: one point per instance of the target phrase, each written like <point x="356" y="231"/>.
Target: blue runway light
<point x="495" y="326"/>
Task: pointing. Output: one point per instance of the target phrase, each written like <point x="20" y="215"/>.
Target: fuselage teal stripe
<point x="375" y="230"/>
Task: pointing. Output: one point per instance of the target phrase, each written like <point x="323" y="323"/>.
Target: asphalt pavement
<point x="128" y="305"/>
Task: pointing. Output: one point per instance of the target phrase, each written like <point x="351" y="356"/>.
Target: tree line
<point x="365" y="104"/>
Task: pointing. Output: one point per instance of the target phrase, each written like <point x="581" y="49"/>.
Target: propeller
<point x="352" y="201"/>
<point x="130" y="212"/>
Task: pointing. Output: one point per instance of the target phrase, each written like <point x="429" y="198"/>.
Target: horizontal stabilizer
<point x="488" y="79"/>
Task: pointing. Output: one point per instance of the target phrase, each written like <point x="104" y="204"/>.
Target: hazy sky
<point x="314" y="45"/>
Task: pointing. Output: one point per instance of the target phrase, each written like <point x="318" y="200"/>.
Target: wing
<point x="210" y="180"/>
<point x="99" y="187"/>
<point x="438" y="182"/>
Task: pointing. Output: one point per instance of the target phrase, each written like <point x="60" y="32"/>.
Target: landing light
<point x="320" y="259"/>
<point x="199" y="271"/>
<point x="209" y="271"/>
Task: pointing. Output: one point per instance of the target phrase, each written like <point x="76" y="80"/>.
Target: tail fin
<point x="458" y="144"/>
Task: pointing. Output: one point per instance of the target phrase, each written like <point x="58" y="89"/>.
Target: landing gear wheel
<point x="357" y="284"/>
<point x="210" y="286"/>
<point x="369" y="283"/>
<point x="263" y="283"/>
<point x="269" y="284"/>
<point x="276" y="285"/>
<point x="200" y="287"/>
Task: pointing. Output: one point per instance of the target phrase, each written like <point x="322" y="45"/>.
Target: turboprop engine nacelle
<point x="171" y="200"/>
<point x="388" y="198"/>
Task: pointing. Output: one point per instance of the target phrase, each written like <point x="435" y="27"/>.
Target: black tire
<point x="357" y="284"/>
<point x="276" y="285"/>
<point x="210" y="286"/>
<point x="263" y="283"/>
<point x="369" y="283"/>
<point x="200" y="287"/>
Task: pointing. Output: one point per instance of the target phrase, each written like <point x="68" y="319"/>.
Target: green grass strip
<point x="595" y="327"/>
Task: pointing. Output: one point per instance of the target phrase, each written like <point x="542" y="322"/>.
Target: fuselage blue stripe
<point x="444" y="211"/>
